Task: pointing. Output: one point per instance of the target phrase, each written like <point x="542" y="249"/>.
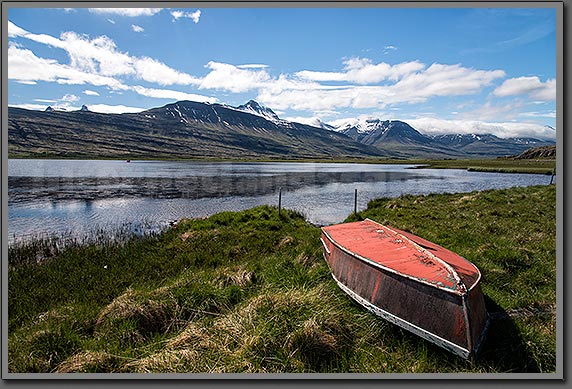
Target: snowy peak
<point x="256" y="108"/>
<point x="375" y="130"/>
<point x="55" y="109"/>
<point x="362" y="126"/>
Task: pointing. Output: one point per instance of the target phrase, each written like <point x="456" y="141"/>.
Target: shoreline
<point x="496" y="165"/>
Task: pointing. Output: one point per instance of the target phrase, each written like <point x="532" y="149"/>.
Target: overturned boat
<point x="409" y="281"/>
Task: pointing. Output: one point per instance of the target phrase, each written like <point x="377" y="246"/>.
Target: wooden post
<point x="552" y="177"/>
<point x="355" y="203"/>
<point x="279" y="200"/>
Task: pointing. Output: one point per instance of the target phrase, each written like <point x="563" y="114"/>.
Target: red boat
<point x="409" y="281"/>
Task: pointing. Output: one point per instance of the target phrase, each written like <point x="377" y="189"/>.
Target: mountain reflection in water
<point x="59" y="196"/>
<point x="23" y="189"/>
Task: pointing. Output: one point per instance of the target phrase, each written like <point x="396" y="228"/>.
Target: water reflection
<point x="25" y="189"/>
<point x="153" y="194"/>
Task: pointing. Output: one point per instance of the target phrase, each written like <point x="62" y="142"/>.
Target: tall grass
<point x="249" y="292"/>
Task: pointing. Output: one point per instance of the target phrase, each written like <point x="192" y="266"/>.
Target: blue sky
<point x="443" y="70"/>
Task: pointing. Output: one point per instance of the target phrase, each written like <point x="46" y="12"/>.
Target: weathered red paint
<point x="410" y="281"/>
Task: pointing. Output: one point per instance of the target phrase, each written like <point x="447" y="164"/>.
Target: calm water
<point x="55" y="196"/>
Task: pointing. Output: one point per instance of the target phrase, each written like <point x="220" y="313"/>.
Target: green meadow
<point x="249" y="292"/>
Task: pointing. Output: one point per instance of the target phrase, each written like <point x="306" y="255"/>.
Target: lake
<point x="67" y="196"/>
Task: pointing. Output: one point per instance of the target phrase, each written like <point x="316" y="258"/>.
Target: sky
<point x="442" y="70"/>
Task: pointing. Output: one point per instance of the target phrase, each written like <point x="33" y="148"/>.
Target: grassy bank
<point x="250" y="292"/>
<point x="505" y="165"/>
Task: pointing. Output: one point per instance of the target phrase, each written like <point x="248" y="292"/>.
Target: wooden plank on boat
<point x="409" y="281"/>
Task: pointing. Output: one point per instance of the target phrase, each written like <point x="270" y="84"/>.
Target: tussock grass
<point x="249" y="292"/>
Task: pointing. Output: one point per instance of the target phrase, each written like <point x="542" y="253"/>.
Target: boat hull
<point x="452" y="320"/>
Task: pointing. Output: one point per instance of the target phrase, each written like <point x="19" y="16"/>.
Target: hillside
<point x="187" y="129"/>
<point x="181" y="130"/>
<point x="545" y="152"/>
<point x="401" y="139"/>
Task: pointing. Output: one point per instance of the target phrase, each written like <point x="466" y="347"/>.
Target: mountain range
<point x="188" y="129"/>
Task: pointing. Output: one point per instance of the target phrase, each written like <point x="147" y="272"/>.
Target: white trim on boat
<point x="431" y="337"/>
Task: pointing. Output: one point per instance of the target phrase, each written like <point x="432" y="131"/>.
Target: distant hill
<point x="184" y="129"/>
<point x="188" y="129"/>
<point x="402" y="139"/>
<point x="544" y="152"/>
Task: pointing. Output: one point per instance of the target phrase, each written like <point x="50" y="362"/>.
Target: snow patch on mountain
<point x="363" y="126"/>
<point x="254" y="107"/>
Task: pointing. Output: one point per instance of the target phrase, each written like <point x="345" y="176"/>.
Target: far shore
<point x="496" y="165"/>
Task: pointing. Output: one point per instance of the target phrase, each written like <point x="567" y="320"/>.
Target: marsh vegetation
<point x="249" y="292"/>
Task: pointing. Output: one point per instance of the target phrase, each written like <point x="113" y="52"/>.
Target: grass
<point x="498" y="165"/>
<point x="249" y="292"/>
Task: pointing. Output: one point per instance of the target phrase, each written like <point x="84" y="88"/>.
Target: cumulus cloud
<point x="137" y="28"/>
<point x="363" y="71"/>
<point x="408" y="82"/>
<point x="172" y="94"/>
<point x="104" y="108"/>
<point x="129" y="12"/>
<point x="99" y="57"/>
<point x="90" y="93"/>
<point x="532" y="86"/>
<point x="70" y="98"/>
<point x="25" y="67"/>
<point x="152" y="70"/>
<point x="34" y="107"/>
<point x="433" y="126"/>
<point x="194" y="16"/>
<point x="232" y="78"/>
<point x="252" y="66"/>
<point x="443" y="80"/>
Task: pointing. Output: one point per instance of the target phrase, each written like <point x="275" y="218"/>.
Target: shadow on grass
<point x="504" y="348"/>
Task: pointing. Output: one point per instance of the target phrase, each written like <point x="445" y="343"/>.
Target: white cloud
<point x="252" y="66"/>
<point x="363" y="71"/>
<point x="103" y="108"/>
<point x="432" y="126"/>
<point x="551" y="114"/>
<point x="442" y="80"/>
<point x="172" y="94"/>
<point x="532" y="86"/>
<point x="34" y="107"/>
<point x="70" y="98"/>
<point x="129" y="12"/>
<point x="99" y="57"/>
<point x="194" y="16"/>
<point x="232" y="78"/>
<point x="90" y="93"/>
<point x="137" y="28"/>
<point x="416" y="84"/>
<point x="151" y="70"/>
<point x="25" y="67"/>
<point x="321" y="76"/>
<point x="26" y="82"/>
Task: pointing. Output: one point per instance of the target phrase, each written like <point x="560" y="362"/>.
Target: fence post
<point x="279" y="200"/>
<point x="552" y="177"/>
<point x="355" y="202"/>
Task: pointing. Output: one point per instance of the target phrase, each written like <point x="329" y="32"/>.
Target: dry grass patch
<point x="150" y="315"/>
<point x="88" y="361"/>
<point x="238" y="276"/>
